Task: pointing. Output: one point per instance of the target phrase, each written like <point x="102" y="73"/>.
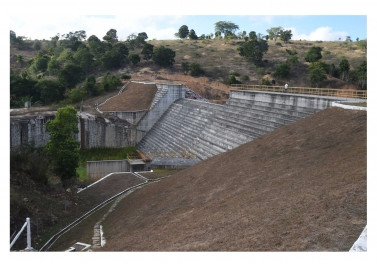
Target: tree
<point x="285" y="35"/>
<point x="109" y="83"/>
<point x="62" y="148"/>
<point x="253" y="49"/>
<point x="192" y="34"/>
<point x="115" y="57"/>
<point x="274" y="32"/>
<point x="183" y="32"/>
<point x="73" y="40"/>
<point x="147" y="51"/>
<point x="361" y="75"/>
<point x="111" y="36"/>
<point x="91" y="86"/>
<point x="314" y="54"/>
<point x="143" y="36"/>
<point x="282" y="71"/>
<point x="344" y="68"/>
<point x="71" y="75"/>
<point x="134" y="58"/>
<point x="50" y="91"/>
<point x="163" y="56"/>
<point x="226" y="27"/>
<point x="316" y="73"/>
<point x="84" y="58"/>
<point x="40" y="63"/>
<point x="96" y="47"/>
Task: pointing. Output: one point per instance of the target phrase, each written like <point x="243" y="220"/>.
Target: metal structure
<point x="360" y="94"/>
<point x="28" y="230"/>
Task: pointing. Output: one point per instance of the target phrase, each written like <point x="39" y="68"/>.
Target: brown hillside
<point x="299" y="188"/>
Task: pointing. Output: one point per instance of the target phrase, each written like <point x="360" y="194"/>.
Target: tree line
<point x="65" y="66"/>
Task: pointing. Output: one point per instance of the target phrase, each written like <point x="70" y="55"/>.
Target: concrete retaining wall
<point x="94" y="131"/>
<point x="131" y="117"/>
<point x="98" y="169"/>
<point x="97" y="131"/>
<point x="29" y="130"/>
<point x="296" y="100"/>
<point x="173" y="93"/>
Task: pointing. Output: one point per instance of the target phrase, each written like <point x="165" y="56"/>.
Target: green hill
<point x="69" y="62"/>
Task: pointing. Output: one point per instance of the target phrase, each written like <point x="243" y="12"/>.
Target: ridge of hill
<point x="219" y="58"/>
<point x="299" y="188"/>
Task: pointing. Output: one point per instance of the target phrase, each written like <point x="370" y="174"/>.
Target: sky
<point x="312" y="27"/>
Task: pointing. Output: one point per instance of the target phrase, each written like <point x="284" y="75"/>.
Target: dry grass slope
<point x="299" y="188"/>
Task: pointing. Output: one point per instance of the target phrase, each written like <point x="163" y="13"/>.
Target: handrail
<point x="26" y="224"/>
<point x="361" y="94"/>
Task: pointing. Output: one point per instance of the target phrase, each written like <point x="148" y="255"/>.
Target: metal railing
<point x="28" y="238"/>
<point x="361" y="94"/>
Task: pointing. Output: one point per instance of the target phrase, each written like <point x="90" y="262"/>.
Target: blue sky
<point x="311" y="20"/>
<point x="322" y="27"/>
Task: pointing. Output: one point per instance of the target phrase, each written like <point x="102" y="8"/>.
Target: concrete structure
<point x="29" y="130"/>
<point x="118" y="129"/>
<point x="179" y="132"/>
<point x="190" y="130"/>
<point x="96" y="131"/>
<point x="98" y="169"/>
<point x="166" y="95"/>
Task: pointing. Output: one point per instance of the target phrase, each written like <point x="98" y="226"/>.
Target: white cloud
<point x="321" y="33"/>
<point x="158" y="27"/>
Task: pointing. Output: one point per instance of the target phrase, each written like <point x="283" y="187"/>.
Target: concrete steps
<point x="197" y="129"/>
<point x="161" y="91"/>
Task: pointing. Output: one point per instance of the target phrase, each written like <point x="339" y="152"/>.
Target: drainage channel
<point x="125" y="192"/>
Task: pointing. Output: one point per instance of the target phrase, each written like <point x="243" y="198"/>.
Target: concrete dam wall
<point x="94" y="131"/>
<point x="190" y="130"/>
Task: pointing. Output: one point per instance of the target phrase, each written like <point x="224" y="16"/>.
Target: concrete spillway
<point x="190" y="130"/>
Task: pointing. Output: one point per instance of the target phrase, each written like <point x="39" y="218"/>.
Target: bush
<point x="163" y="56"/>
<point x="245" y="78"/>
<point x="109" y="82"/>
<point x="314" y="54"/>
<point x="265" y="81"/>
<point x="196" y="69"/>
<point x="282" y="71"/>
<point x="76" y="95"/>
<point x="233" y="80"/>
<point x="32" y="161"/>
<point x="134" y="58"/>
<point x="125" y="77"/>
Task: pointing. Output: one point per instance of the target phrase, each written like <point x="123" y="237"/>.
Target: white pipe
<point x="18" y="235"/>
<point x="28" y="247"/>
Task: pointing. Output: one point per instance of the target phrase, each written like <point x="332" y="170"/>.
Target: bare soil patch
<point x="299" y="188"/>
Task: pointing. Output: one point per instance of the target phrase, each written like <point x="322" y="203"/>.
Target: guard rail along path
<point x="362" y="94"/>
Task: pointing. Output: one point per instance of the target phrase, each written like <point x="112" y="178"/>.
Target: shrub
<point x="282" y="71"/>
<point x="196" y="69"/>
